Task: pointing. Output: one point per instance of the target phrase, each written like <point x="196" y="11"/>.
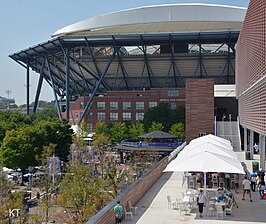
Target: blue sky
<point x="25" y="23"/>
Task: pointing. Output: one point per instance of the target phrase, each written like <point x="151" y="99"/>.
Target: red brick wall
<point x="199" y="107"/>
<point x="251" y="68"/>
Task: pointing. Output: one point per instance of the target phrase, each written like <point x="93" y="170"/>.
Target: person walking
<point x="118" y="213"/>
<point x="201" y="200"/>
<point x="253" y="177"/>
<point x="236" y="180"/>
<point x="246" y="188"/>
<point x="261" y="188"/>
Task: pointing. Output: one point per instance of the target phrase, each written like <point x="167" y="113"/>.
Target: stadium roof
<point x="161" y="19"/>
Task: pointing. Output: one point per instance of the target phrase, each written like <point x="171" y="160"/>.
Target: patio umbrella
<point x="205" y="161"/>
<point x="208" y="146"/>
<point x="211" y="137"/>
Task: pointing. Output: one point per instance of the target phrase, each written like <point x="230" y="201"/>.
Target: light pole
<point x="8" y="92"/>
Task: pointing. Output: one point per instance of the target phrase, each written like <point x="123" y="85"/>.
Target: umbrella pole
<point x="205" y="180"/>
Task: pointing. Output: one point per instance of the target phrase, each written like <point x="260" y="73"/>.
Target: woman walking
<point x="201" y="200"/>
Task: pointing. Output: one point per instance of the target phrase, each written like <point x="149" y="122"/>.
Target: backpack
<point x="119" y="214"/>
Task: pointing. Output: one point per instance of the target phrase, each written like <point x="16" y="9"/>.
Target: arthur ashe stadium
<point x="161" y="46"/>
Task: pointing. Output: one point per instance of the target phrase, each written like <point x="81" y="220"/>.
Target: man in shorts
<point x="246" y="188"/>
<point x="118" y="213"/>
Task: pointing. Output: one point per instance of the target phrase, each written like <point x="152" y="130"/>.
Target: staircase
<point x="230" y="131"/>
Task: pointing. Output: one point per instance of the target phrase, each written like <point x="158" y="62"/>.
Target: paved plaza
<point x="153" y="208"/>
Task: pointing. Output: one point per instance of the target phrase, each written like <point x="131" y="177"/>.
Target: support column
<point x="67" y="84"/>
<point x="245" y="139"/>
<point x="28" y="88"/>
<point x="251" y="144"/>
<point x="262" y="151"/>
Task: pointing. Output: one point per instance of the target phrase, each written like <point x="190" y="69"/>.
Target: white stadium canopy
<point x="170" y="18"/>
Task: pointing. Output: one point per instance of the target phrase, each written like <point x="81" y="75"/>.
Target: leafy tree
<point x="100" y="144"/>
<point x="118" y="131"/>
<point x="178" y="129"/>
<point x="136" y="130"/>
<point x="47" y="151"/>
<point x="20" y="147"/>
<point x="101" y="128"/>
<point x="165" y="115"/>
<point x="81" y="191"/>
<point x="156" y="126"/>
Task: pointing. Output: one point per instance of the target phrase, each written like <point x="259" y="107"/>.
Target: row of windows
<point x="113" y="116"/>
<point x="126" y="105"/>
<point x="101" y="116"/>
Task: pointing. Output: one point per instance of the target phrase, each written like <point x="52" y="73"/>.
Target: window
<point x="90" y="126"/>
<point x="173" y="105"/>
<point x="101" y="116"/>
<point x="113" y="105"/>
<point x="126" y="116"/>
<point x="126" y="105"/>
<point x="173" y="93"/>
<point x="201" y="134"/>
<point x="81" y="105"/>
<point x="152" y="104"/>
<point x="89" y="116"/>
<point x="139" y="116"/>
<point x="140" y="105"/>
<point x="76" y="115"/>
<point x="114" y="116"/>
<point x="100" y="105"/>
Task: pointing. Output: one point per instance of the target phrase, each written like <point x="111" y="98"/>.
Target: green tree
<point x="136" y="130"/>
<point x="81" y="191"/>
<point x="118" y="131"/>
<point x="178" y="129"/>
<point x="155" y="126"/>
<point x="101" y="128"/>
<point x="20" y="147"/>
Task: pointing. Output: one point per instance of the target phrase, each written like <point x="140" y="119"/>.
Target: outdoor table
<point x="221" y="203"/>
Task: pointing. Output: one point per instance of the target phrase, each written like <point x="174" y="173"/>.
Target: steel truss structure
<point x="88" y="65"/>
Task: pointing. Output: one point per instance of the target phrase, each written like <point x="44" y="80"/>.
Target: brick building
<point x="251" y="77"/>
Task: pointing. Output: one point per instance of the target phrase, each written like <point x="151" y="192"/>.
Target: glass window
<point x="76" y="115"/>
<point x="126" y="116"/>
<point x="113" y="105"/>
<point x="126" y="105"/>
<point x="90" y="126"/>
<point x="101" y="116"/>
<point x="81" y="105"/>
<point x="114" y="116"/>
<point x="140" y="105"/>
<point x="139" y="116"/>
<point x="152" y="104"/>
<point x="89" y="116"/>
<point x="173" y="93"/>
<point x="100" y="105"/>
<point x="173" y="105"/>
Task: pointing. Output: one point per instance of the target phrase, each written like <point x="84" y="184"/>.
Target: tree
<point x="165" y="115"/>
<point x="47" y="151"/>
<point x="136" y="130"/>
<point x="156" y="126"/>
<point x="118" y="131"/>
<point x="82" y="191"/>
<point x="178" y="129"/>
<point x="100" y="144"/>
<point x="20" y="147"/>
<point x="101" y="128"/>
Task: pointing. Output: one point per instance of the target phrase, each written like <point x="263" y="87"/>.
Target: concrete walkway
<point x="153" y="208"/>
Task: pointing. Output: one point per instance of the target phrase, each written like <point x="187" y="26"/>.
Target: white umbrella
<point x="205" y="161"/>
<point x="208" y="146"/>
<point x="211" y="137"/>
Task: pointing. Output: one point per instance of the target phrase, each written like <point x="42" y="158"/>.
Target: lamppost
<point x="8" y="92"/>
